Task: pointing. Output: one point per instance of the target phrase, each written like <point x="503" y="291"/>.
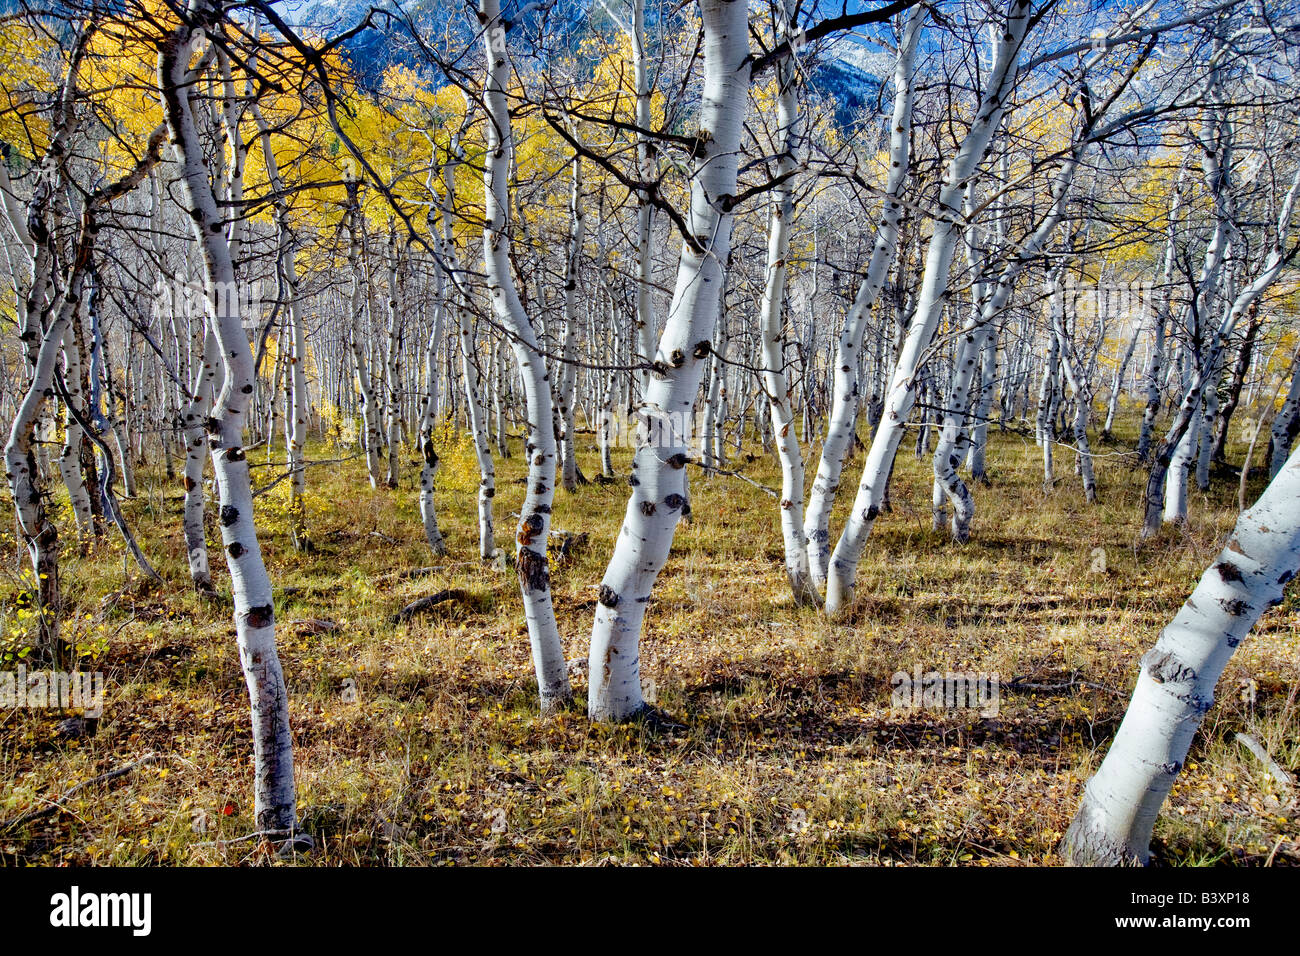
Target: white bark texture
<point x="371" y="438"/>
<point x="845" y="396"/>
<point x="535" y="515"/>
<point x="274" y="797"/>
<point x="1175" y="687"/>
<point x="194" y="423"/>
<point x="658" y="497"/>
<point x="299" y="401"/>
<point x="929" y="308"/>
<point x="569" y="372"/>
<point x="772" y="319"/>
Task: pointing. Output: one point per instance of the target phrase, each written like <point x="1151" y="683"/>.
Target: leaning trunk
<point x="658" y="497"/>
<point x="535" y="515"/>
<point x="1175" y="687"/>
<point x="254" y="609"/>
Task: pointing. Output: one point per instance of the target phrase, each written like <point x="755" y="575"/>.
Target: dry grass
<point x="789" y="752"/>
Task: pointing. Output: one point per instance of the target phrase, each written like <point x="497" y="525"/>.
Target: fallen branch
<point x="425" y="604"/>
<point x="57" y="805"/>
<point x="312" y="625"/>
<point x="257" y="492"/>
<point x="734" y="474"/>
<point x="1019" y="683"/>
<point x="411" y="573"/>
<point x="408" y="574"/>
<point x="1276" y="769"/>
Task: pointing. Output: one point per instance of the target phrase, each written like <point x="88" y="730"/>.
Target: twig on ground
<point x="57" y="805"/>
<point x="1278" y="772"/>
<point x="425" y="604"/>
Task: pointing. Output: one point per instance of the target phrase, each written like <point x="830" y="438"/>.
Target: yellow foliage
<point x="457" y="464"/>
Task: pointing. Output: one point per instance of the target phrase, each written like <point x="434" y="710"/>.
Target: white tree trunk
<point x="772" y="326"/>
<point x="37" y="531"/>
<point x="1205" y="433"/>
<point x="930" y="304"/>
<point x="982" y="406"/>
<point x="299" y="401"/>
<point x="428" y="418"/>
<point x="535" y="515"/>
<point x="193" y="421"/>
<point x="569" y="371"/>
<point x="393" y="362"/>
<point x="1076" y="376"/>
<point x="471" y="369"/>
<point x="647" y="326"/>
<point x="70" y="458"/>
<point x="844" y="391"/>
<point x="1175" y="687"/>
<point x="254" y="607"/>
<point x="1117" y="383"/>
<point x="1282" y="434"/>
<point x="1172" y="450"/>
<point x="36" y="528"/>
<point x="371" y="439"/>
<point x="478" y="430"/>
<point x="658" y="468"/>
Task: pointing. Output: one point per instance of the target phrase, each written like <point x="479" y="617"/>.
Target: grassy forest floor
<point x="789" y="751"/>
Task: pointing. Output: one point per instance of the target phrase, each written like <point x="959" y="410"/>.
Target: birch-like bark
<point x="647" y="325"/>
<point x="714" y="452"/>
<point x="500" y="383"/>
<point x="986" y="371"/>
<point x="70" y="458"/>
<point x="471" y="367"/>
<point x="372" y="440"/>
<point x="428" y="419"/>
<point x="36" y="529"/>
<point x="567" y="392"/>
<point x="845" y="396"/>
<point x="98" y="428"/>
<point x="26" y="461"/>
<point x="1175" y="687"/>
<point x="299" y="401"/>
<point x="441" y="226"/>
<point x="948" y="452"/>
<point x="1285" y="424"/>
<point x="1278" y="257"/>
<point x="477" y="410"/>
<point x="274" y="797"/>
<point x="982" y="406"/>
<point x="535" y="515"/>
<point x="193" y="422"/>
<point x="203" y="384"/>
<point x="1076" y="376"/>
<point x="1204" y="441"/>
<point x="1117" y="382"/>
<point x="930" y="304"/>
<point x="1240" y="369"/>
<point x="393" y="362"/>
<point x="119" y="430"/>
<point x="776" y="381"/>
<point x="1174" y="460"/>
<point x="658" y="468"/>
<point x="1161" y="319"/>
<point x="299" y="407"/>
